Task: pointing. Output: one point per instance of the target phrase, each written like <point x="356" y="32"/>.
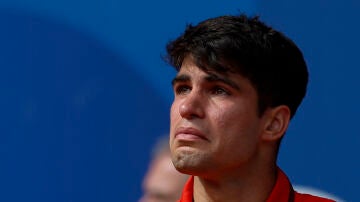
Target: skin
<point x="217" y="135"/>
<point x="162" y="183"/>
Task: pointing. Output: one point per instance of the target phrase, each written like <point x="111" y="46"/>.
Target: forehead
<point x="221" y="67"/>
<point x="189" y="70"/>
<point x="189" y="63"/>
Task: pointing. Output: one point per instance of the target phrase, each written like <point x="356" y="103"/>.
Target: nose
<point x="192" y="106"/>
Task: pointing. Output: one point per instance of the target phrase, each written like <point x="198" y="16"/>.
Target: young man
<point x="239" y="83"/>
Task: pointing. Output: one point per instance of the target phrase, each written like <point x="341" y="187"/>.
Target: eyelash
<point x="181" y="89"/>
<point x="216" y="90"/>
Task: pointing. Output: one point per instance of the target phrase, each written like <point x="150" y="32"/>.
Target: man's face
<point x="215" y="127"/>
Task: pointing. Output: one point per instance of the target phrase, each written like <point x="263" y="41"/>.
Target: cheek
<point x="236" y="121"/>
<point x="174" y="118"/>
<point x="174" y="112"/>
<point x="172" y="124"/>
<point x="226" y="117"/>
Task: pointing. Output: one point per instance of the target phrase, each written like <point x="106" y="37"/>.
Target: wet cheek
<point x="174" y="116"/>
<point x="221" y="121"/>
<point x="231" y="121"/>
<point x="174" y="112"/>
<point x="223" y="118"/>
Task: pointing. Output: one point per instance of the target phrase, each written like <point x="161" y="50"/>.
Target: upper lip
<point x="190" y="130"/>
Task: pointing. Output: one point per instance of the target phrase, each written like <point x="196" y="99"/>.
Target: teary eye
<point x="217" y="90"/>
<point x="182" y="89"/>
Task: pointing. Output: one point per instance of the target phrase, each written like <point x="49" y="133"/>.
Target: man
<point x="162" y="182"/>
<point x="239" y="83"/>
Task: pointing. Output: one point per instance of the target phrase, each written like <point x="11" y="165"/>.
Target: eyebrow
<point x="209" y="78"/>
<point x="217" y="78"/>
<point x="180" y="78"/>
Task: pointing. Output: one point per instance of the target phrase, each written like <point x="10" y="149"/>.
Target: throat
<point x="250" y="188"/>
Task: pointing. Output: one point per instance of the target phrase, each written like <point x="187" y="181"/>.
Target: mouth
<point x="189" y="134"/>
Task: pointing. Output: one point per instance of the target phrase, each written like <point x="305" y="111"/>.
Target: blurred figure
<point x="162" y="182"/>
<point x="317" y="192"/>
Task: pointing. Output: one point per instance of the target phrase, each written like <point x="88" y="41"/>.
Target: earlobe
<point x="277" y="122"/>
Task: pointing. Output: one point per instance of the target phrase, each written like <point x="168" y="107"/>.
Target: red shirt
<point x="282" y="192"/>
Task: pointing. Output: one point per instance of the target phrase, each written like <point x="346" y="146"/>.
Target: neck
<point x="251" y="185"/>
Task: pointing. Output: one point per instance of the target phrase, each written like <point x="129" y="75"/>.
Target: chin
<point x="187" y="161"/>
<point x="186" y="169"/>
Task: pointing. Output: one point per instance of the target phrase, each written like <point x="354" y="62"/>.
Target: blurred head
<point x="162" y="182"/>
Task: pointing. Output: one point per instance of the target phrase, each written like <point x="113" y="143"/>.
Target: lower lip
<point x="188" y="137"/>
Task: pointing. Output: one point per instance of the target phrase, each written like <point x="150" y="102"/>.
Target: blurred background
<point x="85" y="93"/>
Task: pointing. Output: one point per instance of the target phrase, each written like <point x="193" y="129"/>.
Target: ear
<point x="276" y="123"/>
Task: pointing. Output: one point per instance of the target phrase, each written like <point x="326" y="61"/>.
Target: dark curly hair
<point x="239" y="44"/>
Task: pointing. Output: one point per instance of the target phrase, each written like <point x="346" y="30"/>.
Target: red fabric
<point x="283" y="188"/>
<point x="187" y="194"/>
<point x="280" y="193"/>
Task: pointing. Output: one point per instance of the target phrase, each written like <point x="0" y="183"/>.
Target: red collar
<point x="280" y="192"/>
<point x="187" y="194"/>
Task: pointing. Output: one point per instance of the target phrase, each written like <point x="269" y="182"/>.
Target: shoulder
<point x="299" y="197"/>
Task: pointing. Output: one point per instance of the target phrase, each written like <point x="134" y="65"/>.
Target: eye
<point x="182" y="89"/>
<point x="217" y="90"/>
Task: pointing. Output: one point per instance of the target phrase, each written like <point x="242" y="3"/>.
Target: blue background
<point x="85" y="94"/>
